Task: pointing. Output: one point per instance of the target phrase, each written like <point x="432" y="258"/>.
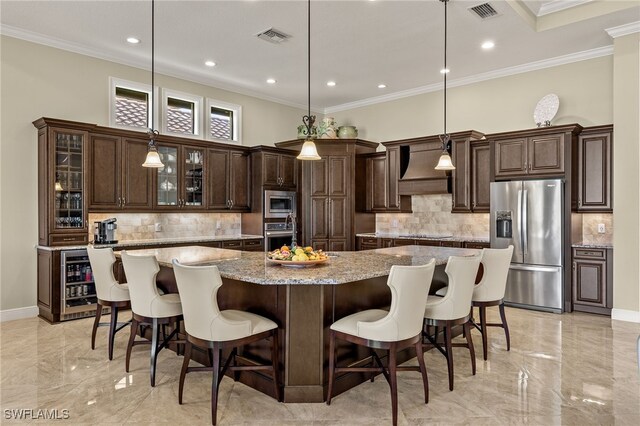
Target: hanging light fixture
<point x="309" y="151"/>
<point x="153" y="159"/>
<point x="445" y="163"/>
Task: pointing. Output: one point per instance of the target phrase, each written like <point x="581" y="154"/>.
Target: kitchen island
<point x="304" y="302"/>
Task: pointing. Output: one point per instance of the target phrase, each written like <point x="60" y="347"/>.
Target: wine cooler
<point x="78" y="292"/>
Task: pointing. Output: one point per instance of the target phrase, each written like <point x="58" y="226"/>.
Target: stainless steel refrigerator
<point x="529" y="215"/>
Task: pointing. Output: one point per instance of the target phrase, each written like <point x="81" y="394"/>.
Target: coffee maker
<point x="104" y="232"/>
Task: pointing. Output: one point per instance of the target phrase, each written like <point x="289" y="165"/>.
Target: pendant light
<point x="309" y="151"/>
<point x="445" y="163"/>
<point x="153" y="159"/>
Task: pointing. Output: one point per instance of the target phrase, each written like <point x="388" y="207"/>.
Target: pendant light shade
<point x="58" y="186"/>
<point x="153" y="159"/>
<point x="308" y="151"/>
<point x="445" y="163"/>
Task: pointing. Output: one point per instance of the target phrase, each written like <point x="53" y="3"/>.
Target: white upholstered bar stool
<point x="397" y="329"/>
<point x="490" y="291"/>
<point x="453" y="309"/>
<point x="149" y="306"/>
<point x="210" y="328"/>
<point x="110" y="293"/>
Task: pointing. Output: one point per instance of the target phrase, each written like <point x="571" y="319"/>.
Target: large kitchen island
<point x="304" y="302"/>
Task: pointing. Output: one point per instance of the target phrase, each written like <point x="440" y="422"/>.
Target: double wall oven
<point x="278" y="231"/>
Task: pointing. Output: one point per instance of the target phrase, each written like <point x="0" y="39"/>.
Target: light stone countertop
<point x="342" y="267"/>
<point x="159" y="241"/>
<point x="425" y="237"/>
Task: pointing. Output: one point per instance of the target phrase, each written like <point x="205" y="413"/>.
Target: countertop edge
<point x="434" y="238"/>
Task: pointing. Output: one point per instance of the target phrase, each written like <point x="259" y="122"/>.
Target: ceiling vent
<point x="484" y="11"/>
<point x="272" y="35"/>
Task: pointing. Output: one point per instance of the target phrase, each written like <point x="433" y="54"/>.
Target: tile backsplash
<point x="432" y="215"/>
<point x="141" y="226"/>
<point x="590" y="233"/>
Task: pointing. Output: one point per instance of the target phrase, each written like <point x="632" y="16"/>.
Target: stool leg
<point x="503" y="318"/>
<point x="112" y="329"/>
<point x="214" y="383"/>
<point x="183" y="371"/>
<point x="393" y="383"/>
<point x="132" y="337"/>
<point x="95" y="326"/>
<point x="423" y="370"/>
<point x="447" y="342"/>
<point x="275" y="363"/>
<point x="472" y="352"/>
<point x="483" y="326"/>
<point x="332" y="354"/>
<point x="154" y="350"/>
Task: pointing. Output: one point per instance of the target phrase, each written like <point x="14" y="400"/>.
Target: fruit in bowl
<point x="296" y="254"/>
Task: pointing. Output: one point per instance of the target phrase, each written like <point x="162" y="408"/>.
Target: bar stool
<point x="397" y="329"/>
<point x="210" y="328"/>
<point x="453" y="309"/>
<point x="490" y="291"/>
<point x="149" y="306"/>
<point x="110" y="293"/>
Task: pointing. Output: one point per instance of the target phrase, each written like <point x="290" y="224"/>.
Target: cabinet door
<point x="376" y="182"/>
<point x="168" y="182"/>
<point x="218" y="172"/>
<point x="105" y="175"/>
<point x="589" y="278"/>
<point x="338" y="176"/>
<point x="393" y="176"/>
<point x="546" y="154"/>
<point x="318" y="218"/>
<point x="320" y="244"/>
<point x="510" y="157"/>
<point x="194" y="166"/>
<point x="239" y="184"/>
<point x="319" y="185"/>
<point x="338" y="218"/>
<point x="338" y="245"/>
<point x="461" y="157"/>
<point x="480" y="177"/>
<point x="594" y="173"/>
<point x="137" y="186"/>
<point x="288" y="170"/>
<point x="270" y="169"/>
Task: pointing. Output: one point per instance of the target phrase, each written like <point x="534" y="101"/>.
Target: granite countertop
<point x="592" y="245"/>
<point x="342" y="267"/>
<point x="425" y="237"/>
<point x="159" y="241"/>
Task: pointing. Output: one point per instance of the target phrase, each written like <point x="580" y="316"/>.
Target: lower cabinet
<point x="592" y="282"/>
<point x="367" y="243"/>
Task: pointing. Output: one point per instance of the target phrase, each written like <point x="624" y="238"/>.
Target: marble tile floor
<point x="562" y="369"/>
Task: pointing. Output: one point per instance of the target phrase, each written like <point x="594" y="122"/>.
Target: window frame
<point x="114" y="83"/>
<point x="197" y="112"/>
<point x="237" y="121"/>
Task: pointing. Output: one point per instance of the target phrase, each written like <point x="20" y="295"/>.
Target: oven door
<point x="278" y="204"/>
<point x="276" y="239"/>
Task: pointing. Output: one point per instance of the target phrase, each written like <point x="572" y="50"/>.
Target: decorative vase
<point x="327" y="129"/>
<point x="347" y="132"/>
<point x="302" y="131"/>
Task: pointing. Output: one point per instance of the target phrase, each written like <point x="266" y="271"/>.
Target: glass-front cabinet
<point x="180" y="181"/>
<point x="69" y="180"/>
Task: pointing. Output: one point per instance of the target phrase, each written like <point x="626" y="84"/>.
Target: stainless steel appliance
<point x="104" y="232"/>
<point x="529" y="215"/>
<point x="277" y="235"/>
<point x="78" y="290"/>
<point x="278" y="204"/>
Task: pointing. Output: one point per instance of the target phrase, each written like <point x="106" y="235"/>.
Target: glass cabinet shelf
<point x="69" y="180"/>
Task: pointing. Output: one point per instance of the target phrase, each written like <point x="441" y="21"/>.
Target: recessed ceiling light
<point x="331" y="83"/>
<point x="444" y="70"/>
<point x="271" y="80"/>
<point x="133" y="40"/>
<point x="488" y="45"/>
<point x="210" y="63"/>
<point x="381" y="86"/>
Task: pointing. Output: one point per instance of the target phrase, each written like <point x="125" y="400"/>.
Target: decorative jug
<point x="327" y="129"/>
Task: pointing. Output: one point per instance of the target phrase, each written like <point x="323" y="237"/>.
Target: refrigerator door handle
<point x="534" y="268"/>
<point x="519" y="221"/>
<point x="525" y="220"/>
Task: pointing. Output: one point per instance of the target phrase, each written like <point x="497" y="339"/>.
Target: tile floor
<point x="562" y="369"/>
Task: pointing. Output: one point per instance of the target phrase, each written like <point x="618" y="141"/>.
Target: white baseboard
<point x="625" y="315"/>
<point x="18" y="313"/>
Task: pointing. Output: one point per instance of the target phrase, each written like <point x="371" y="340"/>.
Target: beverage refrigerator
<point x="529" y="215"/>
<point x="78" y="290"/>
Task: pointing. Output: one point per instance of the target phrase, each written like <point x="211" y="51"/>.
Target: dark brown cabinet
<point x="592" y="285"/>
<point x="180" y="183"/>
<point x="480" y="177"/>
<point x="117" y="179"/>
<point x="530" y="156"/>
<point x="367" y="243"/>
<point x="471" y="177"/>
<point x="382" y="171"/>
<point x="593" y="170"/>
<point x="279" y="170"/>
<point x="228" y="182"/>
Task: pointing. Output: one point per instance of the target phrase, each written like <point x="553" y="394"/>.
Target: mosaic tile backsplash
<point x="432" y="215"/>
<point x="141" y="226"/>
<point x="590" y="233"/>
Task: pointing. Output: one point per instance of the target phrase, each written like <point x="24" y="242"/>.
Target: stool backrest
<point x="102" y="261"/>
<point x="409" y="287"/>
<point x="494" y="279"/>
<point x="198" y="287"/>
<point x="141" y="274"/>
<point x="461" y="271"/>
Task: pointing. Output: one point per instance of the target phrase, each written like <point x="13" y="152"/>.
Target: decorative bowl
<point x="347" y="132"/>
<point x="297" y="264"/>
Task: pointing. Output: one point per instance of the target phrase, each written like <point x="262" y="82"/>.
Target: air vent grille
<point x="272" y="35"/>
<point x="484" y="11"/>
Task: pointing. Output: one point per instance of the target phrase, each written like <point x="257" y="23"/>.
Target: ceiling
<point x="358" y="44"/>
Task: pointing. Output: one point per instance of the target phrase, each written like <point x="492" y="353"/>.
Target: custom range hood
<point x="419" y="156"/>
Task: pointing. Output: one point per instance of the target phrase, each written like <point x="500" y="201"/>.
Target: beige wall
<point x="41" y="81"/>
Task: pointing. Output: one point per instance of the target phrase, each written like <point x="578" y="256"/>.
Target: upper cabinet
<point x="180" y="183"/>
<point x="382" y="171"/>
<point x="471" y="175"/>
<point x="480" y="176"/>
<point x="279" y="170"/>
<point x="592" y="170"/>
<point x="228" y="181"/>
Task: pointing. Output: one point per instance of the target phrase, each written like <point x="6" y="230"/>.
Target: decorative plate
<point x="297" y="264"/>
<point x="546" y="109"/>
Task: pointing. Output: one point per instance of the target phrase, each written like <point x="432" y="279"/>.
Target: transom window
<point x="130" y="104"/>
<point x="181" y="113"/>
<point x="223" y="121"/>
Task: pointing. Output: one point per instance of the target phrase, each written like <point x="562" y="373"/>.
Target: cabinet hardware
<point x="579" y="202"/>
<point x="67" y="239"/>
<point x="574" y="266"/>
<point x="123" y="201"/>
<point x="529" y="165"/>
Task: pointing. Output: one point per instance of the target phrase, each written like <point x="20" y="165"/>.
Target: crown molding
<point x="504" y="72"/>
<point x="557" y="6"/>
<point x="623" y="30"/>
